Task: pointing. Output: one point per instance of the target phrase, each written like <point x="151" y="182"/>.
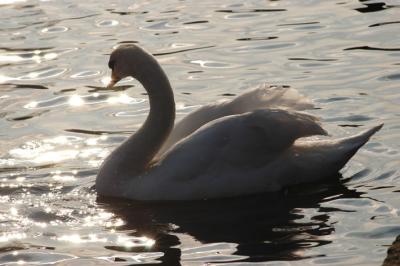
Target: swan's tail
<point x="345" y="148"/>
<point x="357" y="141"/>
<point x="266" y="96"/>
<point x="325" y="157"/>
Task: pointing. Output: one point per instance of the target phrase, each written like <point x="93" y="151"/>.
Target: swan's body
<point x="229" y="149"/>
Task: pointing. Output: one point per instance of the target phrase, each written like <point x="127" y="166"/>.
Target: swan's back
<point x="263" y="96"/>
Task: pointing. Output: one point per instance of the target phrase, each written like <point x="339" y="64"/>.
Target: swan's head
<point x="127" y="60"/>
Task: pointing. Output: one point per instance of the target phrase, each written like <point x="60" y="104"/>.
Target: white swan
<point x="235" y="148"/>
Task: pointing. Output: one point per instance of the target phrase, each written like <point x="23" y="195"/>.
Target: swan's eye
<point x="111" y="64"/>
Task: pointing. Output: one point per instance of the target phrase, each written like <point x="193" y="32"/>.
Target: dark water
<point x="57" y="123"/>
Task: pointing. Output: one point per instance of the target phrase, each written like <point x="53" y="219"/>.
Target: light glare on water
<point x="105" y="81"/>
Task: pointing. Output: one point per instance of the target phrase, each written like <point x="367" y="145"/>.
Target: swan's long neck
<point x="158" y="125"/>
<point x="134" y="155"/>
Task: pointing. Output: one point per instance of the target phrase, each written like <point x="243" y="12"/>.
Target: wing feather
<point x="263" y="96"/>
<point x="248" y="139"/>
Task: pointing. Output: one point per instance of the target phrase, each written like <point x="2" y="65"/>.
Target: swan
<point x="230" y="149"/>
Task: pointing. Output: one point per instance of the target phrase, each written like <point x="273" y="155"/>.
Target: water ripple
<point x="395" y="76"/>
<point x="258" y="10"/>
<point x="42" y="74"/>
<point x="380" y="232"/>
<point x="86" y="74"/>
<point x="55" y="29"/>
<point x="248" y="48"/>
<point x="107" y="23"/>
<point x="299" y="23"/>
<point x="183" y="50"/>
<point x="36" y="55"/>
<point x="79" y="100"/>
<point x="366" y="47"/>
<point x="351" y="118"/>
<point x="196" y="22"/>
<point x="257" y="38"/>
<point x="384" y="23"/>
<point x="213" y="64"/>
<point x="33" y="258"/>
<point x="312" y="59"/>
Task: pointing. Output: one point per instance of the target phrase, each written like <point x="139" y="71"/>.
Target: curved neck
<point x="160" y="121"/>
<point x="133" y="156"/>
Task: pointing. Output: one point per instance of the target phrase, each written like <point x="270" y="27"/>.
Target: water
<point x="58" y="123"/>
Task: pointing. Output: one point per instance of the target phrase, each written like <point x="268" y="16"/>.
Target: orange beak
<point x="113" y="81"/>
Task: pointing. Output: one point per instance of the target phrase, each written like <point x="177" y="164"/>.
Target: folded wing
<point x="263" y="96"/>
<point x="248" y="139"/>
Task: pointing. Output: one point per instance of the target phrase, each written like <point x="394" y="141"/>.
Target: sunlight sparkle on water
<point x="122" y="98"/>
<point x="118" y="222"/>
<point x="20" y="179"/>
<point x="50" y="56"/>
<point x="10" y="58"/>
<point x="92" y="141"/>
<point x="56" y="156"/>
<point x="75" y="238"/>
<point x="62" y="140"/>
<point x="36" y="56"/>
<point x="5" y="78"/>
<point x="105" y="80"/>
<point x="6" y="237"/>
<point x="101" y="218"/>
<point x="41" y="153"/>
<point x="76" y="100"/>
<point x="29" y="105"/>
<point x="14" y="211"/>
<point x="7" y="2"/>
<point x="64" y="178"/>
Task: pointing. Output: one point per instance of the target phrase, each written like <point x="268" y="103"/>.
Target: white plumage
<point x="261" y="97"/>
<point x="251" y="144"/>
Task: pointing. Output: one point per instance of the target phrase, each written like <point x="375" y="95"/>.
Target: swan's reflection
<point x="264" y="227"/>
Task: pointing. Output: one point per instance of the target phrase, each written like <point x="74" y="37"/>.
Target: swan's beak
<point x="113" y="81"/>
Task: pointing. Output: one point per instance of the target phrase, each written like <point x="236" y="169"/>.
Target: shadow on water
<point x="373" y="7"/>
<point x="393" y="254"/>
<point x="264" y="227"/>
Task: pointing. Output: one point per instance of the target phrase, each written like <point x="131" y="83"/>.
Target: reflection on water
<point x="256" y="228"/>
<point x="58" y="122"/>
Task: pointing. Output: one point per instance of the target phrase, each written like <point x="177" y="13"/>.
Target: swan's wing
<point x="263" y="96"/>
<point x="266" y="96"/>
<point x="238" y="140"/>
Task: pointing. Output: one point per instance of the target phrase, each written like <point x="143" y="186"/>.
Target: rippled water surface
<point x="57" y="124"/>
